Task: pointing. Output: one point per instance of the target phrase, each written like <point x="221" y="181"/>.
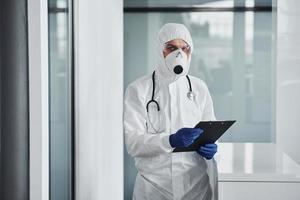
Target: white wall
<point x="258" y="191"/>
<point x="288" y="77"/>
<point x="99" y="99"/>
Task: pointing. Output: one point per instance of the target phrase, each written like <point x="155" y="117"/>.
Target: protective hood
<point x="167" y="68"/>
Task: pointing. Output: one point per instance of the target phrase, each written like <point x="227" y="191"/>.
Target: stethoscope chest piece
<point x="190" y="95"/>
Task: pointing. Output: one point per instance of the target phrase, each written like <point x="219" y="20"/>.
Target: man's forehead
<point x="176" y="41"/>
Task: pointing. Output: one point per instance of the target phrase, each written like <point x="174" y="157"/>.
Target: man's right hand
<point x="184" y="137"/>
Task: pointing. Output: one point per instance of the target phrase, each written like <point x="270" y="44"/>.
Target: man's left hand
<point x="208" y="150"/>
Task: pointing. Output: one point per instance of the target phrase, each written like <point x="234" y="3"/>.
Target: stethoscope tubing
<point x="153" y="92"/>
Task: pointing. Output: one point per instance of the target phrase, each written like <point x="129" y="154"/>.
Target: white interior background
<point x="99" y="88"/>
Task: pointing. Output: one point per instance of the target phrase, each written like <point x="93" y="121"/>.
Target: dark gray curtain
<point x="14" y="94"/>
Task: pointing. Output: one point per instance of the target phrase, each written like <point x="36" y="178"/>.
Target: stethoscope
<point x="190" y="94"/>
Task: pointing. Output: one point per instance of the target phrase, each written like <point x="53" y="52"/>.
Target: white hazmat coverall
<point x="163" y="175"/>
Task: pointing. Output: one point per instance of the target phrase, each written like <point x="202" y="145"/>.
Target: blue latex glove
<point x="184" y="137"/>
<point x="208" y="150"/>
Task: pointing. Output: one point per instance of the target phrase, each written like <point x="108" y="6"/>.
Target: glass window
<point x="232" y="55"/>
<point x="61" y="73"/>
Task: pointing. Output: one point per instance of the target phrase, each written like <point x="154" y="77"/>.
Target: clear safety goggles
<point x="168" y="48"/>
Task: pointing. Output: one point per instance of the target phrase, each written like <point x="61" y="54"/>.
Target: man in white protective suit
<point x="160" y="111"/>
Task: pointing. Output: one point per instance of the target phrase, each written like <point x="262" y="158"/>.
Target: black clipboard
<point x="212" y="131"/>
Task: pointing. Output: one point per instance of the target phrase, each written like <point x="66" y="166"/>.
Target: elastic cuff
<point x="166" y="143"/>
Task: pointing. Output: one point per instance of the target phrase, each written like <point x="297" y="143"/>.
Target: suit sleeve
<point x="138" y="141"/>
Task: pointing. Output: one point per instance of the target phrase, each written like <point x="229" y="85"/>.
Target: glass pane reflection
<point x="60" y="69"/>
<point x="232" y="55"/>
